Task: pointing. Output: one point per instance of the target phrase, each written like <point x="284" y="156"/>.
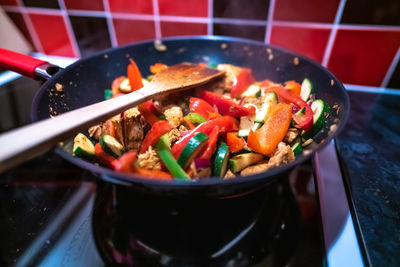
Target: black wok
<point x="129" y="211"/>
<point x="84" y="83"/>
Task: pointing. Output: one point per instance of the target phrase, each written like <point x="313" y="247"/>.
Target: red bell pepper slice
<point x="198" y="105"/>
<point x="211" y="144"/>
<point x="226" y="124"/>
<point x="234" y="142"/>
<point x="102" y="156"/>
<point x="241" y="82"/>
<point x="305" y="121"/>
<point x="158" y="129"/>
<point x="225" y="105"/>
<point x="115" y="85"/>
<point x="149" y="116"/>
<point x="151" y="107"/>
<point x="126" y="163"/>
<point x="267" y="138"/>
<point x="134" y="76"/>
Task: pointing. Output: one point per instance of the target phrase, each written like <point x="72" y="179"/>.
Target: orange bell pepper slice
<point x="188" y="123"/>
<point x="154" y="174"/>
<point x="234" y="142"/>
<point x="267" y="138"/>
<point x="294" y="87"/>
<point x="134" y="76"/>
<point x="156" y="68"/>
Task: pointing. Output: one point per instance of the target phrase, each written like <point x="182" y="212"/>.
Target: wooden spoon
<point x="32" y="140"/>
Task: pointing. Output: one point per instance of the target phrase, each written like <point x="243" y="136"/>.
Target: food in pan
<point x="233" y="127"/>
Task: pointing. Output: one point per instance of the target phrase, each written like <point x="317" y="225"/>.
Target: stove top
<point x="46" y="203"/>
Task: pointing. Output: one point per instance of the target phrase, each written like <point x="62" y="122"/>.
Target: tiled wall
<point x="358" y="40"/>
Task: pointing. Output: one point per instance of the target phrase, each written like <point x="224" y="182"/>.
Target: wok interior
<point x="85" y="81"/>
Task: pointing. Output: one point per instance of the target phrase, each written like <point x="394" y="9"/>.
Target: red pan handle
<point x="20" y="63"/>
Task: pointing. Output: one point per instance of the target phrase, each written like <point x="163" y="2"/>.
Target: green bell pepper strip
<point x="163" y="149"/>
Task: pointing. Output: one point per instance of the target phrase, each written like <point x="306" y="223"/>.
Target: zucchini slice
<point x="296" y="147"/>
<point x="241" y="161"/>
<point x="125" y="86"/>
<point x="271" y="99"/>
<point x="195" y="118"/>
<point x="318" y="107"/>
<point x="83" y="147"/>
<point x="111" y="145"/>
<point x="306" y="89"/>
<point x="221" y="160"/>
<point x="252" y="91"/>
<point x="192" y="149"/>
<point x="107" y="94"/>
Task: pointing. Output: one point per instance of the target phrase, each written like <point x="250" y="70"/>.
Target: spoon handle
<point x="27" y="142"/>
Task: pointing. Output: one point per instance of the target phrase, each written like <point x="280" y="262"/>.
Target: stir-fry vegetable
<point x="238" y="123"/>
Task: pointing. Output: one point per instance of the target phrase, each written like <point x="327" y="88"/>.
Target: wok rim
<point x="130" y="180"/>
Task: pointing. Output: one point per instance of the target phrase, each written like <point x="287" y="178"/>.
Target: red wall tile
<point x="85" y="5"/>
<point x="8" y="2"/>
<point x="53" y="35"/>
<point x="132" y="6"/>
<point x="186" y="8"/>
<point x="306" y="10"/>
<point x="363" y="57"/>
<point x="310" y="42"/>
<point x="129" y="31"/>
<point x="182" y="28"/>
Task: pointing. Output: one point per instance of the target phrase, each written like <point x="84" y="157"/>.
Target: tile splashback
<point x="358" y="40"/>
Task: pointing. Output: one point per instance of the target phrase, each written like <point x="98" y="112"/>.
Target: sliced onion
<point x="295" y="108"/>
<point x="203" y="167"/>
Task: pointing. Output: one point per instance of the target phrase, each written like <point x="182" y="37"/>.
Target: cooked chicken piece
<point x="134" y="129"/>
<point x="176" y="133"/>
<point x="150" y="160"/>
<point x="230" y="72"/>
<point x="252" y="100"/>
<point x="174" y="115"/>
<point x="291" y="134"/>
<point x="282" y="155"/>
<point x="259" y="167"/>
<point x="229" y="175"/>
<point x="97" y="131"/>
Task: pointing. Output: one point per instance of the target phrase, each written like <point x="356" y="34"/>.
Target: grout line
<point x="391" y="69"/>
<point x="184" y="19"/>
<point x="85" y="13"/>
<point x="302" y="24"/>
<point x="129" y="16"/>
<point x="240" y="21"/>
<point x="332" y="36"/>
<point x="270" y="20"/>
<point x="156" y="17"/>
<point x="210" y="25"/>
<point x="110" y="24"/>
<point x="70" y="31"/>
<point x="32" y="31"/>
<point x="369" y="27"/>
